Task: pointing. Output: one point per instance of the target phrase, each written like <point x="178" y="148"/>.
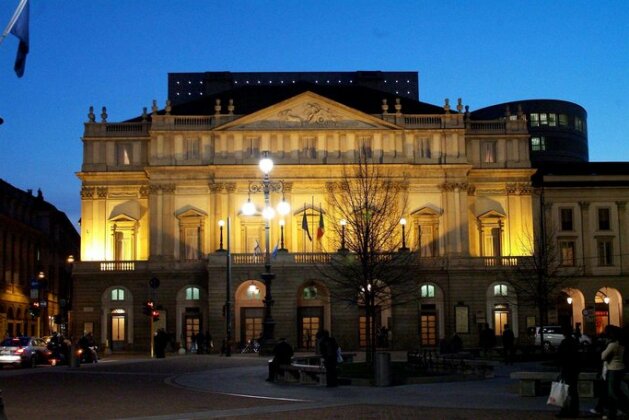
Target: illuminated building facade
<point x="155" y="188"/>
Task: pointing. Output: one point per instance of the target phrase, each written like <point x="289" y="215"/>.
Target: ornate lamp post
<point x="343" y="223"/>
<point x="403" y="223"/>
<point x="267" y="186"/>
<point x="221" y="223"/>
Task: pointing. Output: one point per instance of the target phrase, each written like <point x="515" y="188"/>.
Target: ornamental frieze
<point x="87" y="192"/>
<point x="101" y="192"/>
<point x="216" y="187"/>
<point x="143" y="191"/>
<point x="519" y="189"/>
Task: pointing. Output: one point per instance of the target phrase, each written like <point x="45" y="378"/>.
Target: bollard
<point x="3" y="416"/>
<point x="74" y="360"/>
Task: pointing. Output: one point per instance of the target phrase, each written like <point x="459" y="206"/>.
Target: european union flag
<point x="20" y="30"/>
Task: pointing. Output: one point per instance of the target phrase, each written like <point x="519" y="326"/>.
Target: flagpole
<point x="312" y="223"/>
<point x="16" y="15"/>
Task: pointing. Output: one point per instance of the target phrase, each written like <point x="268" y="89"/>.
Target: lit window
<point x="543" y="119"/>
<point x="192" y="293"/>
<point x="538" y="144"/>
<point x="253" y="292"/>
<point x="563" y="120"/>
<point x="566" y="217"/>
<point x="566" y="249"/>
<point x="489" y="152"/>
<point x="534" y="118"/>
<point x="117" y="294"/>
<point x="552" y="120"/>
<point x="310" y="292"/>
<point x="500" y="290"/>
<point x="605" y="257"/>
<point x="603" y="219"/>
<point x="427" y="291"/>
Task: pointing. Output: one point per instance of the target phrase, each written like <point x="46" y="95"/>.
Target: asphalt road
<point x="209" y="386"/>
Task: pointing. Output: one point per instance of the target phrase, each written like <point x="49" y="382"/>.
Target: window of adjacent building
<point x="489" y="152"/>
<point x="605" y="256"/>
<point x="603" y="219"/>
<point x="117" y="294"/>
<point x="192" y="293"/>
<point x="427" y="291"/>
<point x="123" y="153"/>
<point x="566" y="219"/>
<point x="552" y="120"/>
<point x="543" y="119"/>
<point x="563" y="120"/>
<point x="534" y="118"/>
<point x="500" y="290"/>
<point x="578" y="124"/>
<point x="538" y="144"/>
<point x="192" y="149"/>
<point x="310" y="147"/>
<point x="566" y="253"/>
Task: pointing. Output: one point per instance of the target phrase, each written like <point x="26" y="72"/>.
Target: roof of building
<point x="252" y="98"/>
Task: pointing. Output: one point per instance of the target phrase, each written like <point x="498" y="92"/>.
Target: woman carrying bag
<point x="614" y="356"/>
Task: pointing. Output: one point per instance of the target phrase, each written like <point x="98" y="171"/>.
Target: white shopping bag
<point x="558" y="394"/>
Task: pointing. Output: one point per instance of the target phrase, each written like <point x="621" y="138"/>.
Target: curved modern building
<point x="558" y="129"/>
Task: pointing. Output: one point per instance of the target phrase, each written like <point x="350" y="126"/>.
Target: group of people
<point x="201" y="343"/>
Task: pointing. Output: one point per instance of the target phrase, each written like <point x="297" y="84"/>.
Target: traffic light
<point x="155" y="315"/>
<point x="149" y="306"/>
<point x="34" y="309"/>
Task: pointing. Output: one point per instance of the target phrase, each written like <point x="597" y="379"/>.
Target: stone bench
<point x="531" y="382"/>
<point x="302" y="373"/>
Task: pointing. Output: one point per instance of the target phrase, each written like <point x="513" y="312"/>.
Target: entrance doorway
<point x="310" y="321"/>
<point x="250" y="324"/>
<point x="501" y="317"/>
<point x="428" y="326"/>
<point x="118" y="329"/>
<point x="192" y="326"/>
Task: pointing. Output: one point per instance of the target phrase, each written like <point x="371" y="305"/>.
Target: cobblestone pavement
<point x="209" y="386"/>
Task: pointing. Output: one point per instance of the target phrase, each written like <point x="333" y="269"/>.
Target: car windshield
<point x="15" y="342"/>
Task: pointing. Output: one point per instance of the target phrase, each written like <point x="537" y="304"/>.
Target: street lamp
<point x="267" y="186"/>
<point x="221" y="223"/>
<point x="343" y="222"/>
<point x="403" y="223"/>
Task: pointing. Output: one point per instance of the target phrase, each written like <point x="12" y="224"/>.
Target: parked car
<point x="553" y="334"/>
<point x="27" y="351"/>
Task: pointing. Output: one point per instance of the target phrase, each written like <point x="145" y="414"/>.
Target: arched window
<point x="117" y="294"/>
<point x="253" y="292"/>
<point x="310" y="292"/>
<point x="427" y="291"/>
<point x="192" y="293"/>
<point x="500" y="290"/>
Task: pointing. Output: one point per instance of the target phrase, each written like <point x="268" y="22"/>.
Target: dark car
<point x="27" y="351"/>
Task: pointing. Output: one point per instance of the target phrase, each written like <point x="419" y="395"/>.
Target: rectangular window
<point x="538" y="144"/>
<point x="423" y="148"/>
<point x="543" y="119"/>
<point x="534" y="120"/>
<point x="252" y="146"/>
<point x="566" y="217"/>
<point x="489" y="152"/>
<point x="310" y="147"/>
<point x="192" y="149"/>
<point x="563" y="120"/>
<point x="364" y="145"/>
<point x="603" y="219"/>
<point x="605" y="257"/>
<point x="117" y="294"/>
<point x="552" y="120"/>
<point x="123" y="154"/>
<point x="578" y="124"/>
<point x="566" y="253"/>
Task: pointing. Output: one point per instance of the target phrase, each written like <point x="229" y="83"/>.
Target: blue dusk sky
<point x="118" y="54"/>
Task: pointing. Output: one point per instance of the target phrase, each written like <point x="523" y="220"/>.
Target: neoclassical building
<point x="157" y="191"/>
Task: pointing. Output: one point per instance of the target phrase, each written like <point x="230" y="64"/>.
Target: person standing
<point x="329" y="349"/>
<point x="568" y="357"/>
<point x="508" y="344"/>
<point x="614" y="356"/>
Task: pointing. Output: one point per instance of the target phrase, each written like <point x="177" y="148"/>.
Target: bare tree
<point x="540" y="279"/>
<point x="369" y="270"/>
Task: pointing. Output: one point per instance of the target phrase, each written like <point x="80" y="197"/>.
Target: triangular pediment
<point x="308" y="111"/>
<point x="492" y="214"/>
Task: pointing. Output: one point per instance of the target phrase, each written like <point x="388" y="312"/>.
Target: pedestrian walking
<point x="569" y="361"/>
<point x="614" y="355"/>
<point x="508" y="344"/>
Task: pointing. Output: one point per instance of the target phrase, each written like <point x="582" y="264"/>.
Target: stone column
<point x="168" y="221"/>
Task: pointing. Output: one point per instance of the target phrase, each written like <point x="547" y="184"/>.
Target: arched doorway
<point x="313" y="313"/>
<point x="249" y="311"/>
<point x="191" y="314"/>
<point x="607" y="308"/>
<point x="382" y="315"/>
<point x="117" y="318"/>
<point x="574" y="302"/>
